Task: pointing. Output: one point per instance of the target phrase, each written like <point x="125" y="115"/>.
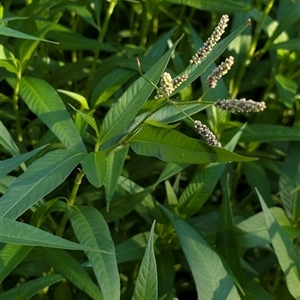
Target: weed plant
<point x="149" y="149"/>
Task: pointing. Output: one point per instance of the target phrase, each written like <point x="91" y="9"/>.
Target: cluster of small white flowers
<point x="211" y="42"/>
<point x="205" y="132"/>
<point x="240" y="106"/>
<point x="219" y="71"/>
<point x="168" y="85"/>
<point x="177" y="81"/>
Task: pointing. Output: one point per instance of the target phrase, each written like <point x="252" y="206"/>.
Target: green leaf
<point x="7" y="141"/>
<point x="123" y="112"/>
<point x="10" y="257"/>
<point x="226" y="6"/>
<point x="10" y="164"/>
<point x="287" y="89"/>
<point x="146" y="287"/>
<point x="17" y="233"/>
<point x="292" y="44"/>
<point x="94" y="166"/>
<point x="226" y="239"/>
<point x="165" y="271"/>
<point x="199" y="189"/>
<point x="6" y="31"/>
<point x="65" y="264"/>
<point x="256" y="177"/>
<point x="253" y="232"/>
<point x="89" y="119"/>
<point x="91" y="230"/>
<point x="8" y="60"/>
<point x="127" y="203"/>
<point x="108" y="85"/>
<point x="132" y="248"/>
<point x="289" y="197"/>
<point x="210" y="276"/>
<point x="43" y="100"/>
<point x="114" y="166"/>
<point x="141" y="200"/>
<point x="170" y="113"/>
<point x="43" y="176"/>
<point x="171" y="146"/>
<point x="265" y="133"/>
<point x="30" y="288"/>
<point x="287" y="254"/>
<point x="79" y="98"/>
<point x="83" y="12"/>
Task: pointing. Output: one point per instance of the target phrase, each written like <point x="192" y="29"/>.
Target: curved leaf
<point x="210" y="276"/>
<point x="44" y="101"/>
<point x="69" y="267"/>
<point x="146" y="287"/>
<point x="30" y="288"/>
<point x="171" y="146"/>
<point x="17" y="233"/>
<point x="43" y="176"/>
<point x="287" y="253"/>
<point x="91" y="230"/>
<point x="227" y="6"/>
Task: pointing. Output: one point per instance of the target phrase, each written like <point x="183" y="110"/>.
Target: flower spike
<point x="211" y="41"/>
<point x="205" y="132"/>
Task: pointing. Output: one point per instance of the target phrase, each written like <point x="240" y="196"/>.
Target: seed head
<point x="211" y="41"/>
<point x="205" y="132"/>
<point x="240" y="106"/>
<point x="219" y="71"/>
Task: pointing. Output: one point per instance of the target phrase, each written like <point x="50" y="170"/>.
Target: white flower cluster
<point x="211" y="41"/>
<point x="240" y="106"/>
<point x="205" y="132"/>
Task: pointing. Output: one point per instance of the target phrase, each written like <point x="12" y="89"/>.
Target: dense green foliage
<point x="107" y="191"/>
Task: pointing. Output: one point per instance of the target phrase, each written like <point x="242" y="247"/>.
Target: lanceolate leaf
<point x="17" y="233"/>
<point x="7" y="141"/>
<point x="288" y="255"/>
<point x="69" y="267"/>
<point x="115" y="162"/>
<point x="94" y="166"/>
<point x="91" y="230"/>
<point x="17" y="34"/>
<point x="146" y="287"/>
<point x="171" y="146"/>
<point x="123" y="112"/>
<point x="227" y="6"/>
<point x="8" y="165"/>
<point x="211" y="279"/>
<point x="44" y="101"/>
<point x="226" y="239"/>
<point x="28" y="289"/>
<point x="44" y="175"/>
<point x="10" y="257"/>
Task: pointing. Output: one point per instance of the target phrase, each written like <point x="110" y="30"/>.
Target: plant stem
<point x="252" y="48"/>
<point x="71" y="199"/>
<point x="16" y="108"/>
<point x="101" y="36"/>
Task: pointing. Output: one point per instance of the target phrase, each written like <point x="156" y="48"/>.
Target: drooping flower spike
<point x="240" y="106"/>
<point x="219" y="71"/>
<point x="206" y="133"/>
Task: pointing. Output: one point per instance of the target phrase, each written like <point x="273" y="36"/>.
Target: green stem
<point x="71" y="199"/>
<point x="16" y="108"/>
<point x="101" y="36"/>
<point x="252" y="48"/>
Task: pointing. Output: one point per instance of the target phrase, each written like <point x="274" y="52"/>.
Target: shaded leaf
<point x="43" y="176"/>
<point x="146" y="282"/>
